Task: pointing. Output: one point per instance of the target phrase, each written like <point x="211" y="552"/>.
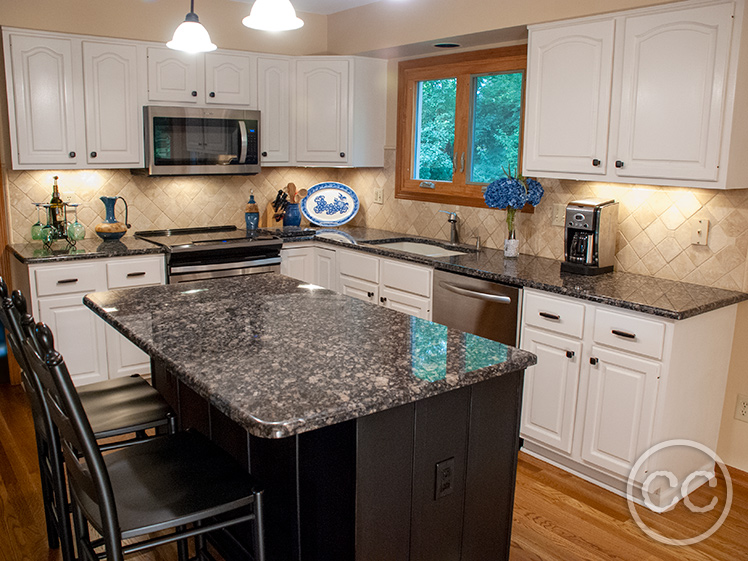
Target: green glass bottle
<point x="56" y="208"/>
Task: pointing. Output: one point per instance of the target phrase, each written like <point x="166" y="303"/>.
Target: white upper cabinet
<point x="212" y="78"/>
<point x="172" y="75"/>
<point x="569" y="101"/>
<point x="113" y="120"/>
<point x="72" y="103"/>
<point x="340" y="111"/>
<point x="673" y="93"/>
<point x="274" y="100"/>
<point x="645" y="96"/>
<point x="322" y="111"/>
<point x="41" y="100"/>
<point x="230" y="79"/>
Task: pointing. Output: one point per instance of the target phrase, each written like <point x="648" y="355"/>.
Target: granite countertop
<point x="280" y="357"/>
<point x="89" y="248"/>
<point x="651" y="295"/>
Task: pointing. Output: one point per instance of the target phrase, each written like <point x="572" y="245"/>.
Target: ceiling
<point x="325" y="7"/>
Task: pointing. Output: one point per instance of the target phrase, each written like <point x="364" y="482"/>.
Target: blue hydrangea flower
<point x="513" y="192"/>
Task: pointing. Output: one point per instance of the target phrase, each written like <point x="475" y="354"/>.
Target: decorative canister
<point x="110" y="229"/>
<point x="292" y="216"/>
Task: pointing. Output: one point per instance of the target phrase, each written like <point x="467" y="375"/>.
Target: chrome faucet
<point x="453" y="235"/>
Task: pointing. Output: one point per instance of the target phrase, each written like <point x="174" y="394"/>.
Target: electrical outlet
<point x="741" y="408"/>
<point x="379" y="196"/>
<point x="559" y="214"/>
<point x="444" y="481"/>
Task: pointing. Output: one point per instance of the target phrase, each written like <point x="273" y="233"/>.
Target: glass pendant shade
<point x="191" y="36"/>
<point x="272" y="15"/>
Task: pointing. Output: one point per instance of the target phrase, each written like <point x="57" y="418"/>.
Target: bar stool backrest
<point x="88" y="476"/>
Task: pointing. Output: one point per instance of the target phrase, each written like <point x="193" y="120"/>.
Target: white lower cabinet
<point x="611" y="383"/>
<point x="93" y="351"/>
<point x="392" y="283"/>
<point x="550" y="394"/>
<point x="311" y="264"/>
<point x="397" y="285"/>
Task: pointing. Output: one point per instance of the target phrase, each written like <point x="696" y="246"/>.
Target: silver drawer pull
<point x="67" y="281"/>
<point x="546" y="315"/>
<point x="474" y="294"/>
<point x="625" y="334"/>
<point x="137" y="274"/>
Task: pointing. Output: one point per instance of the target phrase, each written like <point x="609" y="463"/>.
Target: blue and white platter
<point x="329" y="204"/>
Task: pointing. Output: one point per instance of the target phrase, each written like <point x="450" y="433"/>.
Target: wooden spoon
<point x="300" y="194"/>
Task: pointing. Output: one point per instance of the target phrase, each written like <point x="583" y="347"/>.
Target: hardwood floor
<point x="557" y="517"/>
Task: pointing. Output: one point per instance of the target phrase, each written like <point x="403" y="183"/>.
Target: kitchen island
<point x="377" y="435"/>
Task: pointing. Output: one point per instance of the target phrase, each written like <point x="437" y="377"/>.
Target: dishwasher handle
<point x="475" y="294"/>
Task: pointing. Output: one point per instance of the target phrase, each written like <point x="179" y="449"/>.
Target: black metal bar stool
<point x="180" y="482"/>
<point x="115" y="407"/>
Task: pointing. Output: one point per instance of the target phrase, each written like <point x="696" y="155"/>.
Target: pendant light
<point x="273" y="15"/>
<point x="191" y="36"/>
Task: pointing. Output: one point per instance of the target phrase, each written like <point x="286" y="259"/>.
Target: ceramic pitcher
<point x="110" y="229"/>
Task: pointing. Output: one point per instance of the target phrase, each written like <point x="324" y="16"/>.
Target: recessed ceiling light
<point x="447" y="45"/>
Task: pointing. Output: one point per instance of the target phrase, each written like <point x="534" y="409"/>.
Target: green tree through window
<point x="459" y="123"/>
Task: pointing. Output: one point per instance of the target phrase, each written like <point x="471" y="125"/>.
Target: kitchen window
<point x="460" y="124"/>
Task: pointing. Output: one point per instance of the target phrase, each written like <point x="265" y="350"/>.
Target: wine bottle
<point x="55" y="207"/>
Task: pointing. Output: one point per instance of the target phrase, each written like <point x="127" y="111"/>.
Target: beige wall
<point x="391" y="23"/>
<point x="157" y="20"/>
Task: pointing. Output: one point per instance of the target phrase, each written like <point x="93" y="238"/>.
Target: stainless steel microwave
<point x="196" y="141"/>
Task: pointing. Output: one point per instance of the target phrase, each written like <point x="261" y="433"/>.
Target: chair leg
<point x="60" y="499"/>
<point x="183" y="549"/>
<point x="259" y="528"/>
<point x="53" y="539"/>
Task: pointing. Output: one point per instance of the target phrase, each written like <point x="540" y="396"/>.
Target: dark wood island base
<point x="433" y="479"/>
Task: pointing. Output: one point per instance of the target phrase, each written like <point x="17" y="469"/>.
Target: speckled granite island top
<point x="281" y="358"/>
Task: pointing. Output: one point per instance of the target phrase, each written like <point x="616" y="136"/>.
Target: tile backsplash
<point x="655" y="223"/>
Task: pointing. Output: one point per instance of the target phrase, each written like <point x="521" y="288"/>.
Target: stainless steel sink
<point x="419" y="248"/>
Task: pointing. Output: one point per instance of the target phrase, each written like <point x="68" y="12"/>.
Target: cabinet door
<point x="79" y="336"/>
<point x="550" y="393"/>
<point x="172" y="75"/>
<point x="298" y="263"/>
<point x="619" y="415"/>
<point x="406" y="303"/>
<point x="673" y="93"/>
<point x="358" y="288"/>
<point x="43" y="96"/>
<point x="568" y="98"/>
<point x="322" y="111"/>
<point x="113" y="121"/>
<point x="228" y="80"/>
<point x="325" y="268"/>
<point x="274" y="99"/>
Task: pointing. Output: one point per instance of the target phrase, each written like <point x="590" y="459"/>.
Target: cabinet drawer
<point x="554" y="314"/>
<point x="405" y="277"/>
<point x="68" y="279"/>
<point x="134" y="272"/>
<point x="358" y="265"/>
<point x="637" y="335"/>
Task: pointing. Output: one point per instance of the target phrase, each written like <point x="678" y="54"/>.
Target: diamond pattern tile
<point x="655" y="223"/>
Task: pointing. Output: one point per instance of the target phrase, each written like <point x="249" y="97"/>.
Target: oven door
<point x="186" y="273"/>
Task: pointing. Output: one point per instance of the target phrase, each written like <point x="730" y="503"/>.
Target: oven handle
<point x="245" y="142"/>
<point x="224" y="266"/>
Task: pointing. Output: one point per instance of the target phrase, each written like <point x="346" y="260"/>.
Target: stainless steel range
<point x="215" y="251"/>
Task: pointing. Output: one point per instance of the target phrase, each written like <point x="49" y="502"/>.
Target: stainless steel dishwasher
<point x="477" y="306"/>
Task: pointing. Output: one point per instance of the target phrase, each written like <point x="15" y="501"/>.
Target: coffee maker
<point x="590" y="236"/>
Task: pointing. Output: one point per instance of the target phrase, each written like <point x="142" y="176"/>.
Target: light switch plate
<point x="700" y="232"/>
<point x="559" y="214"/>
<point x="379" y="196"/>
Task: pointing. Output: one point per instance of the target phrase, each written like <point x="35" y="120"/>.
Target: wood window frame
<point x="463" y="66"/>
